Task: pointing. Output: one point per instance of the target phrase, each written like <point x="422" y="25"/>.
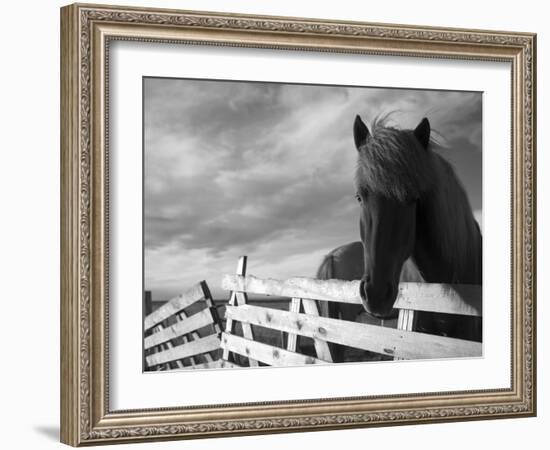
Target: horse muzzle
<point x="377" y="305"/>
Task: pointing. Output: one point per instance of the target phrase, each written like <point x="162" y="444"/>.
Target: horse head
<point x="393" y="172"/>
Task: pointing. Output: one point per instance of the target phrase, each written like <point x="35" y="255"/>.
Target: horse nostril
<point x="363" y="290"/>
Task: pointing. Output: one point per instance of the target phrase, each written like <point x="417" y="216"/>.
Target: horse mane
<point x="394" y="164"/>
<point x="452" y="226"/>
<point x="326" y="269"/>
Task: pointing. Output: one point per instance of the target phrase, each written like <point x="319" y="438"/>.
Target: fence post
<point x="216" y="324"/>
<point x="239" y="298"/>
<point x="292" y="339"/>
<point x="406" y="321"/>
<point x="147" y="309"/>
<point x="241" y="270"/>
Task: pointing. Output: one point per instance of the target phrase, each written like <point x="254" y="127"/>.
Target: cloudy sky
<point x="266" y="170"/>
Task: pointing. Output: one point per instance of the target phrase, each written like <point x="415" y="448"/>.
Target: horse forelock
<point x="393" y="163"/>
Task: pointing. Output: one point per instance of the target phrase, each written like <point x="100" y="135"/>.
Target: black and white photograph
<point x="296" y="224"/>
<point x="283" y="219"/>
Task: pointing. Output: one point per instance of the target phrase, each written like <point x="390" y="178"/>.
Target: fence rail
<point x="400" y="343"/>
<point x="176" y="337"/>
<point x="463" y="299"/>
<point x="374" y="338"/>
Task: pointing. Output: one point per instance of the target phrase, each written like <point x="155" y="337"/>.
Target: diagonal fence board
<point x="202" y="345"/>
<point x="175" y="305"/>
<point x="185" y="338"/>
<point x="321" y="346"/>
<point x="168" y="344"/>
<point x="194" y="336"/>
<point x="267" y="354"/>
<point x="191" y="323"/>
<point x="460" y="299"/>
<point x="160" y="348"/>
<point x="388" y="341"/>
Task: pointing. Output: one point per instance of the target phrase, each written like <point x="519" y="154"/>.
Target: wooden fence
<point x="183" y="333"/>
<point x="400" y="343"/>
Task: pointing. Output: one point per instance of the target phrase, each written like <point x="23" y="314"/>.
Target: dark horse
<point x="416" y="224"/>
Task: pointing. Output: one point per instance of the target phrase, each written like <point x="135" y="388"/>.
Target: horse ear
<point x="360" y="132"/>
<point x="422" y="132"/>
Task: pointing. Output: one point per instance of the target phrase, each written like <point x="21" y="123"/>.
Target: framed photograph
<point x="275" y="224"/>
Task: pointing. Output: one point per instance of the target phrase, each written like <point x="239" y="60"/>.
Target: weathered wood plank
<point x="182" y="316"/>
<point x="265" y="353"/>
<point x="203" y="345"/>
<point x="186" y="326"/>
<point x="299" y="287"/>
<point x="463" y="299"/>
<point x="388" y="341"/>
<point x="219" y="364"/>
<point x="292" y="338"/>
<point x="194" y="336"/>
<point x="154" y="350"/>
<point x="443" y="298"/>
<point x="175" y="305"/>
<point x="164" y="346"/>
<point x="321" y="346"/>
<point x="247" y="329"/>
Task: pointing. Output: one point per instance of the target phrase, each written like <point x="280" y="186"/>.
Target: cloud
<point x="267" y="170"/>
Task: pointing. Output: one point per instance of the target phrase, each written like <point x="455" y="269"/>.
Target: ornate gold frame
<point x="86" y="31"/>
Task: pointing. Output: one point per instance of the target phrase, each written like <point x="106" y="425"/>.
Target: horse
<point x="346" y="263"/>
<point x="416" y="224"/>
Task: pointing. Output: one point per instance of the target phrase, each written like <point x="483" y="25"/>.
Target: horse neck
<point x="448" y="241"/>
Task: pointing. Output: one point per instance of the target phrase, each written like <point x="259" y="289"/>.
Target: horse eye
<point x="358" y="198"/>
